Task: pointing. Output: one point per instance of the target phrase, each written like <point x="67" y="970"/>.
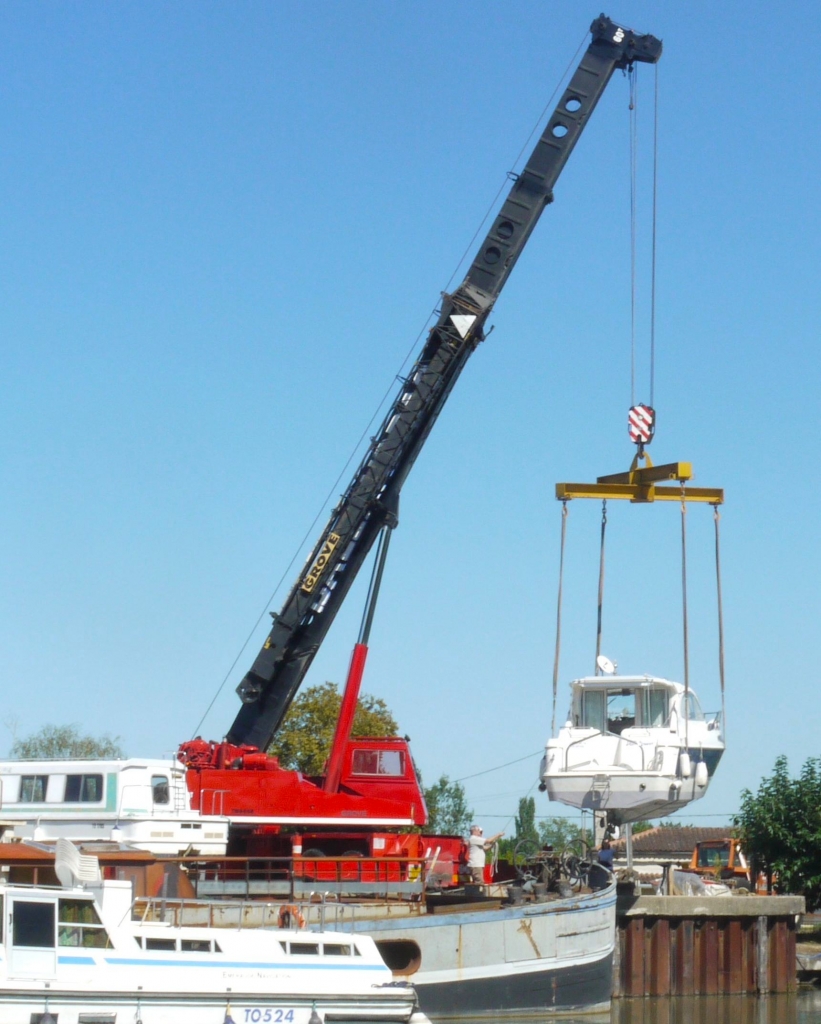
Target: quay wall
<point x="692" y="945"/>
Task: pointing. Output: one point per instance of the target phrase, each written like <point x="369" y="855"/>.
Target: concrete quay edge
<point x="710" y="906"/>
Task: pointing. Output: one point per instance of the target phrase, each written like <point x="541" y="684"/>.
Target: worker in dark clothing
<point x="606" y="855"/>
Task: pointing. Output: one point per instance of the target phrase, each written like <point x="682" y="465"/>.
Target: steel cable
<point x="558" y="621"/>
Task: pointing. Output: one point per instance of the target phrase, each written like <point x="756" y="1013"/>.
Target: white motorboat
<point x="73" y="955"/>
<point x="633" y="746"/>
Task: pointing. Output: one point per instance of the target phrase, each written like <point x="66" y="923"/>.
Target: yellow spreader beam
<point x="639" y="485"/>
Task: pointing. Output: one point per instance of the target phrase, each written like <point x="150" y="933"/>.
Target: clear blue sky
<point x="223" y="225"/>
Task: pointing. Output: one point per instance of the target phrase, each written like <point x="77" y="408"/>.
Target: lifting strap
<point x="716" y="520"/>
<point x="558" y="621"/>
<point x="684" y="617"/>
<point x="596" y="670"/>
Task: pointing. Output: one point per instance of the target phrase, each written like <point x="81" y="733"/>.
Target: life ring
<point x="290" y="917"/>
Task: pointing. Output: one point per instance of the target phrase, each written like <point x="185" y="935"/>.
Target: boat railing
<point x="621" y="739"/>
<point x="317" y="910"/>
<point x="293" y="878"/>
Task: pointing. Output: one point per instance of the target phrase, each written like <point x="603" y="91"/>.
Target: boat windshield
<point x="691" y="708"/>
<point x="614" y="710"/>
<point x="654" y="707"/>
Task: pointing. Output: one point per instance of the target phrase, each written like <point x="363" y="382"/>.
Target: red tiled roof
<point x="671" y="841"/>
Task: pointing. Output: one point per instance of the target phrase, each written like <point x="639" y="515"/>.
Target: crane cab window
<point x="84" y="789"/>
<point x="714" y="857"/>
<point x="33" y="789"/>
<point x="159" y="789"/>
<point x="378" y="762"/>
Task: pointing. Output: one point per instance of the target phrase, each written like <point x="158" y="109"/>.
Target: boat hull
<point x="200" y="1008"/>
<point x="532" y="960"/>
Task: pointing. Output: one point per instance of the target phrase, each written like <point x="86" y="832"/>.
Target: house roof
<point x="670" y="841"/>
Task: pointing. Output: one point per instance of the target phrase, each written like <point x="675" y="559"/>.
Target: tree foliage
<point x="559" y="833"/>
<point x="525" y="821"/>
<point x="780" y="828"/>
<point x="64" y="741"/>
<point x="448" y="812"/>
<point x="304" y="740"/>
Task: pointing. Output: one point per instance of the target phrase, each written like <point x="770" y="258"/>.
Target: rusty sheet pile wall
<point x="677" y="945"/>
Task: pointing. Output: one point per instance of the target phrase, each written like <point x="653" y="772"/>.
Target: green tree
<point x="642" y="826"/>
<point x="780" y="828"/>
<point x="64" y="741"/>
<point x="559" y="833"/>
<point x="525" y="821"/>
<point x="304" y="740"/>
<point x="448" y="812"/>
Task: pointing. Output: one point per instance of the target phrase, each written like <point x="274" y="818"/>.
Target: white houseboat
<point x="142" y="802"/>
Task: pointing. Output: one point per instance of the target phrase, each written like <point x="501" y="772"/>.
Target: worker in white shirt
<point x="477" y="847"/>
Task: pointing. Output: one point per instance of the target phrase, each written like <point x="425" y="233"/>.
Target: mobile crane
<point x="371" y="783"/>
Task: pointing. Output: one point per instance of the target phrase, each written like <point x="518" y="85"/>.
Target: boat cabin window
<point x="33" y="789"/>
<point x="84" y="789"/>
<point x="159" y="789"/>
<point x="79" y="924"/>
<point x="378" y="762"/>
<point x="593" y="709"/>
<point x="166" y="944"/>
<point x="33" y="924"/>
<point x="654" y="707"/>
<point x="621" y="710"/>
<point x="332" y="949"/>
<point x="691" y="708"/>
<point x="304" y="948"/>
<point x="195" y="945"/>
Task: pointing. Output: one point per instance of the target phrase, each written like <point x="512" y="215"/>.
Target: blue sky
<point x="223" y="225"/>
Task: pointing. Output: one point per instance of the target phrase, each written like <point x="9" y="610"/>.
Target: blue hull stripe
<point x="129" y="962"/>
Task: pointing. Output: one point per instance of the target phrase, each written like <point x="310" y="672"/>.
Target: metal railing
<point x="294" y="878"/>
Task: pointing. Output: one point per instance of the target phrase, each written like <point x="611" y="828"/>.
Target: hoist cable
<point x="686" y="635"/>
<point x="716" y="520"/>
<point x="601" y="585"/>
<point x="632" y="78"/>
<point x="558" y="621"/>
<point x="653" y="258"/>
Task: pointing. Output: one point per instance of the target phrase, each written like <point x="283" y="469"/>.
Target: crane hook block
<point x="641" y="424"/>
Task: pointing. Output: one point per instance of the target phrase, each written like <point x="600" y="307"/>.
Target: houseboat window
<point x="692" y="708"/>
<point x="621" y="710"/>
<point x="33" y="924"/>
<point x="195" y="945"/>
<point x="166" y="944"/>
<point x="654" y="708"/>
<point x="159" y="789"/>
<point x="593" y="709"/>
<point x="305" y="948"/>
<point x="378" y="762"/>
<point x="79" y="925"/>
<point x="33" y="789"/>
<point x="84" y="789"/>
<point x="331" y="949"/>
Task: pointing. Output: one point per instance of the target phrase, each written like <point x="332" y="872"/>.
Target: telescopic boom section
<point x="371" y="500"/>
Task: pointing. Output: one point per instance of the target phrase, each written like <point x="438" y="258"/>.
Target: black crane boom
<point x="371" y="499"/>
